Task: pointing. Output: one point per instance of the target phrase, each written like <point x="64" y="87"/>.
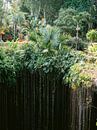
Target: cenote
<point x="48" y="64"/>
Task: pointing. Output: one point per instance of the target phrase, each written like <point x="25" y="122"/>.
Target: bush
<point x="75" y="43"/>
<point x="92" y="35"/>
<point x="81" y="75"/>
<point x="92" y="48"/>
<point x="69" y="18"/>
<point x="64" y="37"/>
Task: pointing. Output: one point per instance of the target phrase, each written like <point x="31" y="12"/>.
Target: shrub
<point x="32" y="36"/>
<point x="69" y="18"/>
<point x="92" y="35"/>
<point x="81" y="75"/>
<point x="75" y="43"/>
<point x="65" y="37"/>
<point x="92" y="48"/>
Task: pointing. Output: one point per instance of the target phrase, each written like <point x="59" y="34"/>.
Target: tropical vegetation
<point x="50" y="37"/>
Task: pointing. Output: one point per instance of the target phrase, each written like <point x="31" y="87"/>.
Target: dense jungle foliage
<point x="49" y="36"/>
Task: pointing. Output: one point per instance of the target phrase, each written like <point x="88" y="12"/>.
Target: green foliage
<point x="69" y="19"/>
<point x="46" y="37"/>
<point x="75" y="43"/>
<point x="84" y="5"/>
<point x="92" y="35"/>
<point x="50" y="36"/>
<point x="65" y="20"/>
<point x="45" y="52"/>
<point x="92" y="48"/>
<point x="30" y="56"/>
<point x="7" y="68"/>
<point x="62" y="61"/>
<point x="81" y="75"/>
<point x="15" y="19"/>
<point x="40" y="8"/>
<point x="81" y="5"/>
<point x="64" y="37"/>
<point x="50" y="49"/>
